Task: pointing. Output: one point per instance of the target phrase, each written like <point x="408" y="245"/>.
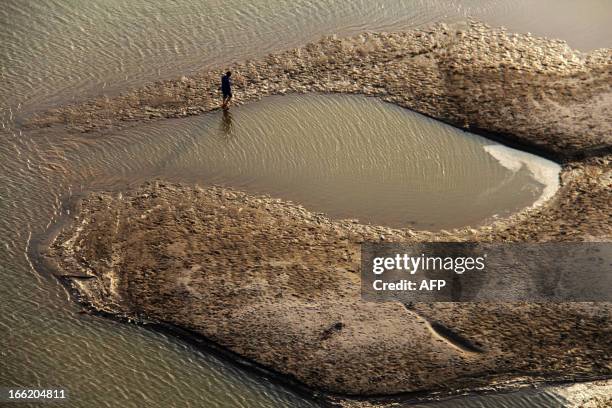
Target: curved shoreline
<point x="533" y="91"/>
<point x="518" y="89"/>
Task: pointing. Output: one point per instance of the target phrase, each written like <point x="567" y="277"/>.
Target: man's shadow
<point x="227" y="124"/>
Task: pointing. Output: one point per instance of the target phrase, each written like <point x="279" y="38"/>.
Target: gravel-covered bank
<point x="279" y="285"/>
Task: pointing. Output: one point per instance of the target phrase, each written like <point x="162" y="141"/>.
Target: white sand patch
<point x="544" y="171"/>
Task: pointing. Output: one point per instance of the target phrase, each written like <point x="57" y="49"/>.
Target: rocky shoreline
<point x="279" y="285"/>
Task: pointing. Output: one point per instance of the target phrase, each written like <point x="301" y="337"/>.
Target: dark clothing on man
<point x="226" y="86"/>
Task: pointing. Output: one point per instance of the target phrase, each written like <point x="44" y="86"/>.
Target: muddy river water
<point x="352" y="157"/>
<point x="334" y="154"/>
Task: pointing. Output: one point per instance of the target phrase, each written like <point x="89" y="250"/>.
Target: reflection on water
<point x="226" y="123"/>
<point x="55" y="51"/>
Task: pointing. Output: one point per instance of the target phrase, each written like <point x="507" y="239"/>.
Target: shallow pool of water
<point x="353" y="157"/>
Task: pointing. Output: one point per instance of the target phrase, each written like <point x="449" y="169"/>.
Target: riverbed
<point x="57" y="53"/>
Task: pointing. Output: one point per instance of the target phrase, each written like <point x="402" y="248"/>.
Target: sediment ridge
<point x="533" y="91"/>
<point x="280" y="285"/>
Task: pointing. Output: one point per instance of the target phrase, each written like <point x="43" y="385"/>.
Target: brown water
<point x="61" y="50"/>
<point x="353" y="157"/>
<point x="58" y="50"/>
<point x="349" y="156"/>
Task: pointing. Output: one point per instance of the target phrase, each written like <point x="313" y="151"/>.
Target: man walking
<point x="226" y="88"/>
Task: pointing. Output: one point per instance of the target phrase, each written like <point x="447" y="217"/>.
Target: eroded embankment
<point x="280" y="285"/>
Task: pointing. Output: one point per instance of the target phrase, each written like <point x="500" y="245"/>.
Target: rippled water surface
<point x="52" y="52"/>
<point x="57" y="50"/>
<point x="351" y="157"/>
